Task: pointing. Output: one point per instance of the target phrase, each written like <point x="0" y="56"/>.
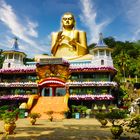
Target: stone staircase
<point x="57" y="105"/>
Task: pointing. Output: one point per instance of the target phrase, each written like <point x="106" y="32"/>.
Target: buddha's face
<point x="68" y="21"/>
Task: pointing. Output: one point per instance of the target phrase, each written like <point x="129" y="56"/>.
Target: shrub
<point x="100" y="115"/>
<point x="10" y="116"/>
<point x="115" y="115"/>
<point x="34" y="115"/>
<point x="3" y="109"/>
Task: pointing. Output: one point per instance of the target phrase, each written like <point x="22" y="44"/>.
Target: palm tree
<point x="122" y="61"/>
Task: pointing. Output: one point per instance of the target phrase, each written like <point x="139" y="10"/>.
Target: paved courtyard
<point x="67" y="129"/>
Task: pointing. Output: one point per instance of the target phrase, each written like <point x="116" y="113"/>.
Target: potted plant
<point x="101" y="117"/>
<point x="83" y="111"/>
<point x="88" y="113"/>
<point x="113" y="116"/>
<point x="3" y="109"/>
<point x="73" y="110"/>
<point x="33" y="117"/>
<point x="9" y="118"/>
<point x="49" y="113"/>
<point x="111" y="107"/>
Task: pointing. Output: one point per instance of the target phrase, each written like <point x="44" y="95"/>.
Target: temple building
<point x="71" y="76"/>
<point x="16" y="78"/>
<point x="86" y="82"/>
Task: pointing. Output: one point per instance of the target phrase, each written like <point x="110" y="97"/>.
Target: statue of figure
<point x="69" y="42"/>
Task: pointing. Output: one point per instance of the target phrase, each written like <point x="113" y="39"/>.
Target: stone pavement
<point x="67" y="129"/>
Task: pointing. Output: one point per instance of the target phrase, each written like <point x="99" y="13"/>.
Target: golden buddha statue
<point x="69" y="43"/>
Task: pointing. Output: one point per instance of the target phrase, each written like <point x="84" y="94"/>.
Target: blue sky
<point x="33" y="21"/>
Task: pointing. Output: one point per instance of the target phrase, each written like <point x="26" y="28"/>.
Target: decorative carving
<point x="59" y="71"/>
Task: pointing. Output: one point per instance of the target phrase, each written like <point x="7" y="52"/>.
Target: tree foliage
<point x="1" y="58"/>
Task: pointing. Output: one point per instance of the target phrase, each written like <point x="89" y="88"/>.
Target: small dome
<point x="101" y="41"/>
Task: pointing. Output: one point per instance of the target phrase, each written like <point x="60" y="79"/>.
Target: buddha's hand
<point x="60" y="39"/>
<point x="73" y="42"/>
<point x="64" y="40"/>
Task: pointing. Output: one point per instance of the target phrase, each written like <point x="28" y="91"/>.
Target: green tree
<point x="1" y="58"/>
<point x="122" y="62"/>
<point x="110" y="42"/>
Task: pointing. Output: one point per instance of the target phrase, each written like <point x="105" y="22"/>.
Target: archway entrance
<point x="52" y="87"/>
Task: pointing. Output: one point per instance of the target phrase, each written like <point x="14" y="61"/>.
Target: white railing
<point x="83" y="84"/>
<point x="19" y="84"/>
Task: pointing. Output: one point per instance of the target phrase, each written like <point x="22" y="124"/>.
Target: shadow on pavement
<point x="65" y="132"/>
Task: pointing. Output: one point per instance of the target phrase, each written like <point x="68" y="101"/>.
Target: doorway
<point x="46" y="91"/>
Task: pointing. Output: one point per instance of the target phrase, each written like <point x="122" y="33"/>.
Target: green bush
<point x="116" y="114"/>
<point x="10" y="116"/>
<point x="3" y="109"/>
<point x="101" y="115"/>
<point x="34" y="115"/>
<point x="79" y="108"/>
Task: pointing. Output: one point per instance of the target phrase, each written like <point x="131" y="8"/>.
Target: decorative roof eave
<point x="101" y="44"/>
<point x="90" y="68"/>
<point x="18" y="70"/>
<point x="93" y="70"/>
<point x="91" y="97"/>
<point x="13" y="51"/>
<point x="14" y="97"/>
<point x="19" y="84"/>
<point x="51" y="80"/>
<point x="92" y="84"/>
<point x="102" y="48"/>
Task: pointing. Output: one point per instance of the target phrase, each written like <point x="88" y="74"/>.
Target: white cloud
<point x="136" y="35"/>
<point x="24" y="29"/>
<point x="31" y="28"/>
<point x="6" y="42"/>
<point x="88" y="17"/>
<point x="131" y="11"/>
<point x="9" y="18"/>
